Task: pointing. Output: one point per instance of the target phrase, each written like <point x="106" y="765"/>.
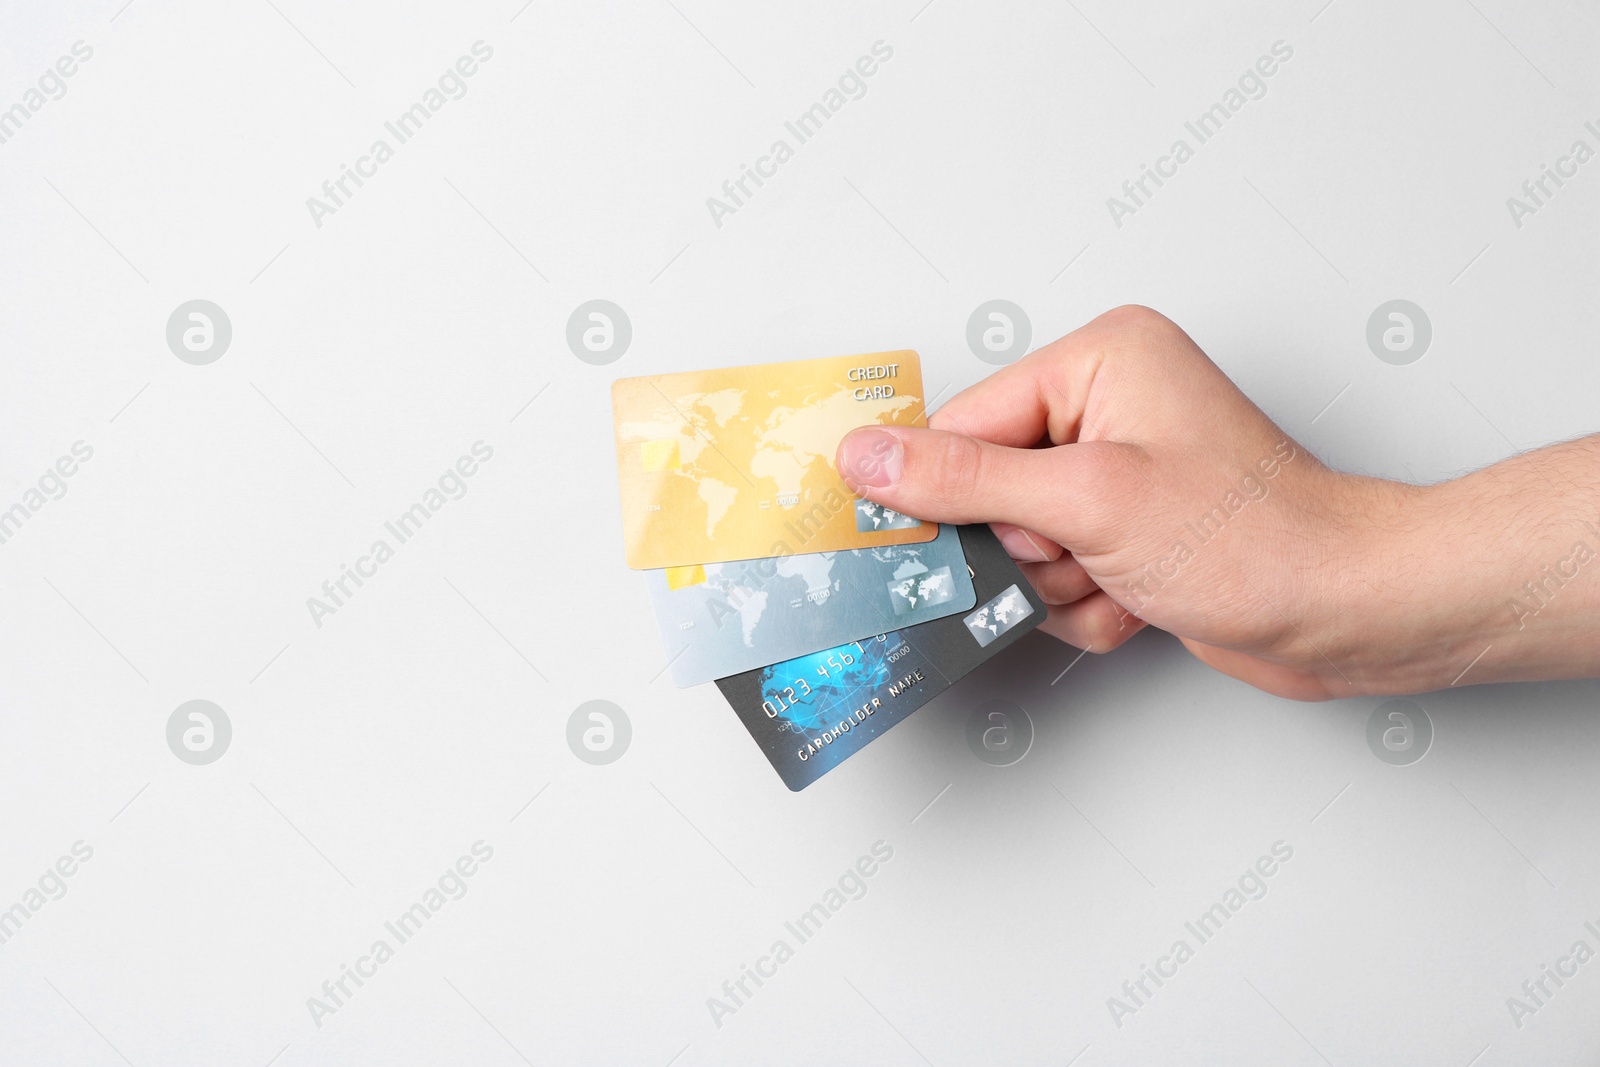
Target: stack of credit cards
<point x="823" y="618"/>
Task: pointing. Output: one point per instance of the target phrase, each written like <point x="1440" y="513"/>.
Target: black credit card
<point x="811" y="713"/>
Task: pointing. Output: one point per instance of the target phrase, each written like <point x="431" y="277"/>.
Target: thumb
<point x="949" y="477"/>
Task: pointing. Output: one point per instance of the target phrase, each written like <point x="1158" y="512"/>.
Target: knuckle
<point x="1133" y="331"/>
<point x="1109" y="626"/>
<point x="1136" y="317"/>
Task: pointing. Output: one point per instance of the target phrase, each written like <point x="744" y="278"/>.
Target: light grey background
<point x="369" y="753"/>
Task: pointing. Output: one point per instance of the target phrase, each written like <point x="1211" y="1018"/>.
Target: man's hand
<point x="1139" y="486"/>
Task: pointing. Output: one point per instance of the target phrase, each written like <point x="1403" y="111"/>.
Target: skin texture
<point x="1139" y="486"/>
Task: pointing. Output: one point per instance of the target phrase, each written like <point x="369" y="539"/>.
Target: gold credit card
<point x="737" y="463"/>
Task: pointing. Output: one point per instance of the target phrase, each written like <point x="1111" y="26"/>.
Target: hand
<point x="1138" y="486"/>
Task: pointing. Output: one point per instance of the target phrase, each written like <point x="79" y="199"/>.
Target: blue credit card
<point x="719" y="619"/>
<point x="810" y="713"/>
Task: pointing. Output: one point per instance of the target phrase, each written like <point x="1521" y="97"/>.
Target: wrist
<point x="1460" y="583"/>
<point x="1396" y="615"/>
<point x="1520" y="570"/>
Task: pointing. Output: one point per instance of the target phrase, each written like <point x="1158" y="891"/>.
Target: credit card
<point x="719" y="619"/>
<point x="732" y="464"/>
<point x="811" y="713"/>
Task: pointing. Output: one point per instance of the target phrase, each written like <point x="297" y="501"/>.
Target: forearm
<point x="1491" y="577"/>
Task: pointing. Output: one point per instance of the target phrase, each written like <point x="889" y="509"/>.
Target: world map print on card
<point x="719" y="619"/>
<point x="737" y="463"/>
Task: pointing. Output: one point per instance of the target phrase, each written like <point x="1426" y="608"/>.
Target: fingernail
<point x="1020" y="546"/>
<point x="871" y="458"/>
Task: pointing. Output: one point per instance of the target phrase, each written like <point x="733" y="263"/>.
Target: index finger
<point x="1041" y="397"/>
